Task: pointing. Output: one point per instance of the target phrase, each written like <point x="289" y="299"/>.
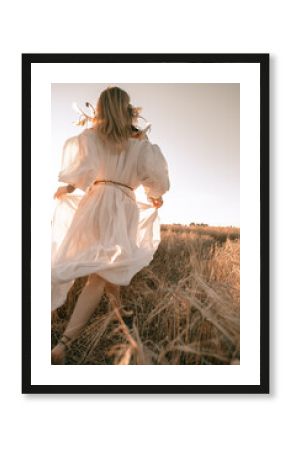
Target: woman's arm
<point x="152" y="170"/>
<point x="70" y="188"/>
<point x="157" y="201"/>
<point x="62" y="190"/>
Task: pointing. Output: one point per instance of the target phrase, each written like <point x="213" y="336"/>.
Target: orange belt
<point x="114" y="182"/>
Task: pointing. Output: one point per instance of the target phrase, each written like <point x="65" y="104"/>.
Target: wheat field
<point x="184" y="308"/>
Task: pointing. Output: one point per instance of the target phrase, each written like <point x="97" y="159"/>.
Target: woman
<point x="105" y="234"/>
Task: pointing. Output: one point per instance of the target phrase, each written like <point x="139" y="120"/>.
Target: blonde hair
<point x="115" y="117"/>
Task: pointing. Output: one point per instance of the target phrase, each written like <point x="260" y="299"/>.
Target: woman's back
<point x="113" y="164"/>
<point x="86" y="158"/>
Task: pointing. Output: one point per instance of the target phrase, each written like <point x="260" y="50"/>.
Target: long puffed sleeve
<point x="76" y="169"/>
<point x="152" y="170"/>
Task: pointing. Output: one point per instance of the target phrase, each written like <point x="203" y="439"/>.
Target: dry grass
<point x="185" y="306"/>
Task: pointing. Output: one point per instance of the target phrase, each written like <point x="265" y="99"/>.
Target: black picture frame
<point x="263" y="59"/>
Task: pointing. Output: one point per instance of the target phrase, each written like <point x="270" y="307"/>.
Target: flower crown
<point x="85" y="118"/>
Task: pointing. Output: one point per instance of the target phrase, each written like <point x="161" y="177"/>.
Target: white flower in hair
<point x="84" y="118"/>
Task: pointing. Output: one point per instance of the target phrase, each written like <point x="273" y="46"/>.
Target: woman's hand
<point x="63" y="190"/>
<point x="157" y="201"/>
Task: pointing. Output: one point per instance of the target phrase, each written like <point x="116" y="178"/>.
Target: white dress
<point x="106" y="230"/>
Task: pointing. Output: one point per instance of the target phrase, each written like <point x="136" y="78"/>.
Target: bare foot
<point x="58" y="354"/>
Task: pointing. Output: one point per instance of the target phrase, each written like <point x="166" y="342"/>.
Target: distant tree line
<point x="193" y="224"/>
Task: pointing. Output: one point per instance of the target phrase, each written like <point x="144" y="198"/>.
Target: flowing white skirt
<point x="105" y="231"/>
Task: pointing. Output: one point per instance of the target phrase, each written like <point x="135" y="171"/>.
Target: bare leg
<point x="83" y="310"/>
<point x="85" y="306"/>
<point x="114" y="290"/>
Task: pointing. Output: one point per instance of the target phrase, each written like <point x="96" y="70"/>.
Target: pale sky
<point x="197" y="127"/>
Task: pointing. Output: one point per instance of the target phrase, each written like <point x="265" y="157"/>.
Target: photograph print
<point x="147" y="198"/>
